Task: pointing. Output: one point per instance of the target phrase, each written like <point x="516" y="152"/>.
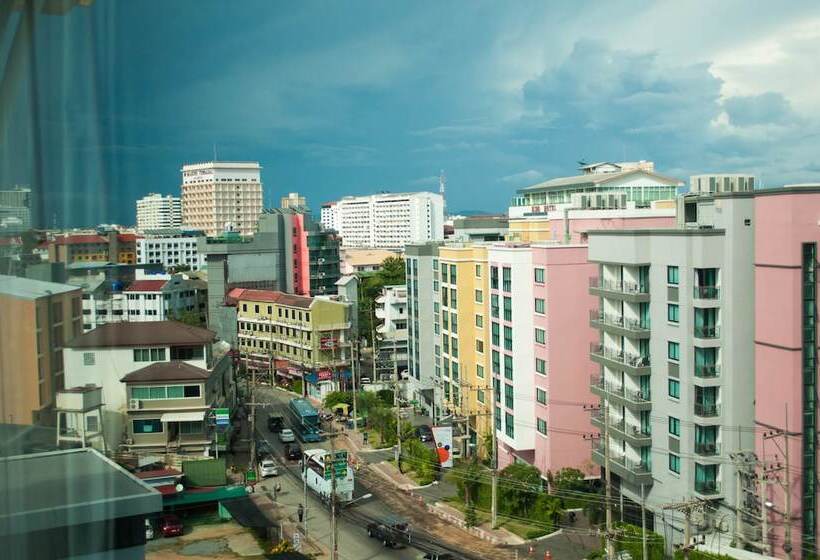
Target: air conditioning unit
<point x="134" y="404"/>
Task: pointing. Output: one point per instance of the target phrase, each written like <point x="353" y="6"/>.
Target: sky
<point x="340" y="98"/>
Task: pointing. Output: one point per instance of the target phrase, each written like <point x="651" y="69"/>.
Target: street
<point x="353" y="542"/>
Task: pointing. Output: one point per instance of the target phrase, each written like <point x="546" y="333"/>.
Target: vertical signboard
<point x="443" y="437"/>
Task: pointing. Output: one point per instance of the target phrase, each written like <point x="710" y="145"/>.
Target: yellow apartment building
<point x="464" y="337"/>
<point x="529" y="230"/>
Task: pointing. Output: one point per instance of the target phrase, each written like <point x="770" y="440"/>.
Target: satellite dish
<point x="179" y="488"/>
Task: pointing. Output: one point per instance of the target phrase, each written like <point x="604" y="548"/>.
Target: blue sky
<point x="338" y="98"/>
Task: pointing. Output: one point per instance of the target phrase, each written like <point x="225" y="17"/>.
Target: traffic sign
<point x="223" y="416"/>
<point x="339" y="465"/>
<point x="250" y="476"/>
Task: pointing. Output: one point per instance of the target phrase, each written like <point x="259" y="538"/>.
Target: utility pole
<point x="764" y="515"/>
<point x="644" y="546"/>
<point x="686" y="508"/>
<point x="334" y="535"/>
<point x="354" y="359"/>
<point x="398" y="409"/>
<point x="304" y="498"/>
<point x="787" y="546"/>
<point x="495" y="456"/>
<point x="253" y="420"/>
<point x="610" y="533"/>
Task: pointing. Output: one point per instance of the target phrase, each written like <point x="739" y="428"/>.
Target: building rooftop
<point x="80" y="239"/>
<point x="592" y="179"/>
<point x="25" y="288"/>
<point x="146" y="286"/>
<point x="147" y="333"/>
<point x="271" y="296"/>
<point x="67" y="488"/>
<point x="167" y="371"/>
<point x="361" y="257"/>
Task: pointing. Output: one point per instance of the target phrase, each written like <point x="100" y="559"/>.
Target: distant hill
<point x="470" y="212"/>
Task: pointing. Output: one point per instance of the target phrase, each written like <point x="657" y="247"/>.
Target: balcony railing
<point x="619" y="321"/>
<point x="707" y="487"/>
<point x="707" y="331"/>
<point x="632" y="360"/>
<point x="630" y="288"/>
<point x="707" y="449"/>
<point x="706" y="410"/>
<point x="706" y="292"/>
<point x="634" y="395"/>
<point x="707" y="371"/>
<point x="637" y="467"/>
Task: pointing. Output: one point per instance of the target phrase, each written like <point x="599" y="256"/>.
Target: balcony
<point x="634" y="472"/>
<point x="706" y="292"/>
<point x="707" y="410"/>
<point x="707" y="371"/>
<point x="708" y="487"/>
<point x="707" y="449"/>
<point x="619" y="325"/>
<point x="621" y="429"/>
<point x="632" y="364"/>
<point x="627" y="291"/>
<point x="617" y="394"/>
<point x="707" y="331"/>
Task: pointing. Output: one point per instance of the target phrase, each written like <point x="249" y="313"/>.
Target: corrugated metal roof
<point x="143" y="333"/>
<point x="26" y="288"/>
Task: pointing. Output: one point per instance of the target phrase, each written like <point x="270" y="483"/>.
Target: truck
<point x="391" y="532"/>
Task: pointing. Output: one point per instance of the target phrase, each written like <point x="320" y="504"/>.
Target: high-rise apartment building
<point x="329" y="216"/>
<point x="390" y="220"/>
<point x="221" y="196"/>
<point x="423" y="304"/>
<point x="293" y="200"/>
<point x="462" y="323"/>
<point x="391" y="333"/>
<point x="156" y="211"/>
<point x="38" y="319"/>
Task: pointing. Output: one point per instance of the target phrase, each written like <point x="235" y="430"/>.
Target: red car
<point x="170" y="525"/>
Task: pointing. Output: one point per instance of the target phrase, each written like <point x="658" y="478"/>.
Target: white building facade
<point x="157" y="211"/>
<point x="221" y="195"/>
<point x="391" y="332"/>
<point x="390" y="220"/>
<point x="329" y="216"/>
<point x="170" y="252"/>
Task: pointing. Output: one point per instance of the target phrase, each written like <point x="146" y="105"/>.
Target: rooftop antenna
<point x="442" y="183"/>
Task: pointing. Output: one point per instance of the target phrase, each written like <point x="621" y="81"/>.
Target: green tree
<point x="488" y="448"/>
<point x="547" y="508"/>
<point x="471" y="481"/>
<point x="385" y="396"/>
<point x="568" y="479"/>
<point x="392" y="271"/>
<point x="470" y="516"/>
<point x="519" y="485"/>
<point x="338" y="397"/>
<point x="192" y="318"/>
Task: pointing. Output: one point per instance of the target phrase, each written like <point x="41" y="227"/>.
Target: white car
<point x="287" y="436"/>
<point x="268" y="468"/>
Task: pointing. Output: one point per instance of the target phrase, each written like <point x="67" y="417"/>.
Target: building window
<point x="191" y="427"/>
<point x="89" y="359"/>
<point x="508" y="340"/>
<point x="453" y="274"/>
<point x="542" y="426"/>
<point x="245" y="307"/>
<point x="479" y="321"/>
<point x="508" y="366"/>
<point x="478" y="271"/>
<point x="509" y="426"/>
<point x="673" y="350"/>
<point x="479" y="296"/>
<point x="507" y="309"/>
<point x="540" y="366"/>
<point x="672" y="275"/>
<point x="149" y="354"/>
<point x="479" y="371"/>
<point x="506" y="279"/>
<point x="674" y="388"/>
<point x="454" y="323"/>
<point x="540" y="395"/>
<point x="539" y="275"/>
<point x="444" y="274"/>
<point x="494" y="277"/>
<point x="152" y="426"/>
<point x="674" y="426"/>
<point x="479" y="346"/>
<point x="480" y="396"/>
<point x="540" y="336"/>
<point x="539" y="305"/>
<point x="496" y="334"/>
<point x="496" y="362"/>
<point x="673" y="313"/>
<point x="494" y="310"/>
<point x="674" y="463"/>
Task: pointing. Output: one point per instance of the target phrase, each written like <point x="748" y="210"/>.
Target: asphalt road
<point x="353" y="542"/>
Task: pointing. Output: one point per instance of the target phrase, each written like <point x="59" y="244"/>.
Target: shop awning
<point x="197" y="416"/>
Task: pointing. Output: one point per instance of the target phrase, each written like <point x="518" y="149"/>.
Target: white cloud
<point x="525" y="177"/>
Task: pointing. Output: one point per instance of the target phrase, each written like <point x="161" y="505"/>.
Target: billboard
<point x="443" y="437"/>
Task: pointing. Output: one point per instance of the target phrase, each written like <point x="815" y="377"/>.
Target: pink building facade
<point x="301" y="256"/>
<point x="787" y="233"/>
<point x="582" y="221"/>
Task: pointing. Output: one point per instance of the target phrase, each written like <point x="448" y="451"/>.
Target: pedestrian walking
<point x="300" y="512"/>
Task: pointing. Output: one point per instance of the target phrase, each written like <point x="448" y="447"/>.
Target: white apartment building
<point x="220" y="195"/>
<point x="158" y="211"/>
<point x="170" y="251"/>
<point x="391" y="332"/>
<point x="329" y="216"/>
<point x="390" y="220"/>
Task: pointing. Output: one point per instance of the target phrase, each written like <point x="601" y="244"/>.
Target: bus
<point x="320" y="481"/>
<point x="305" y="420"/>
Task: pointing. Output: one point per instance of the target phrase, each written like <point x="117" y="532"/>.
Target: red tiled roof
<point x="146" y="286"/>
<point x="274" y="297"/>
<point x="126" y="237"/>
<point x="79" y="239"/>
<point x="157" y="473"/>
<point x="10" y="241"/>
<point x="167" y="371"/>
<point x="142" y="333"/>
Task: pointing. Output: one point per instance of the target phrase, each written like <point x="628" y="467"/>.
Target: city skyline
<point x="332" y="102"/>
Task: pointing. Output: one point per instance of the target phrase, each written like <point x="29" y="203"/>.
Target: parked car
<point x="268" y="468"/>
<point x="364" y="380"/>
<point x="275" y="422"/>
<point x="293" y="452"/>
<point x="287" y="435"/>
<point x="392" y="534"/>
<point x="425" y="433"/>
<point x="149" y="530"/>
<point x="170" y="525"/>
<point x="263" y="448"/>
